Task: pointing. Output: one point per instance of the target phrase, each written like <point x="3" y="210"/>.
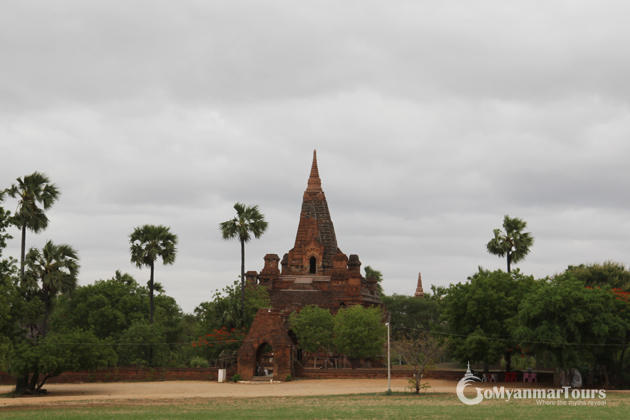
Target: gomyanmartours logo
<point x="542" y="396"/>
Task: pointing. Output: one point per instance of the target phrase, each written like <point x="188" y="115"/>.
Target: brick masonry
<point x="313" y="272"/>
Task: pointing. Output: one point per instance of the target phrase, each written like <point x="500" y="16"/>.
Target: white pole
<point x="389" y="363"/>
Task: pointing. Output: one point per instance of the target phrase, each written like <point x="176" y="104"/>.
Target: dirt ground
<point x="125" y="392"/>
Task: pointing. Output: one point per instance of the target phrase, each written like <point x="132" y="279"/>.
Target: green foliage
<point x="5" y="221"/>
<point x="313" y="327"/>
<point x="236" y="377"/>
<point x="35" y="194"/>
<point x="149" y="242"/>
<point x="143" y="344"/>
<point x="248" y="221"/>
<point x="614" y="274"/>
<point x="56" y="267"/>
<point x="289" y="378"/>
<point x="199" y="362"/>
<point x="481" y="314"/>
<point x="110" y="307"/>
<point x="8" y="295"/>
<point x="224" y="309"/>
<point x="60" y="352"/>
<point x="512" y="242"/>
<point x="411" y="315"/>
<point x="359" y="331"/>
<point x="107" y="307"/>
<point x="370" y="272"/>
<point x="570" y="323"/>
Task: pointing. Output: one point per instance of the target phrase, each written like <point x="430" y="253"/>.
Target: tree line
<point x="49" y="324"/>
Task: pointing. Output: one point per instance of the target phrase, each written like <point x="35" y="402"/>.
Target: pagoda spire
<point x="314" y="182"/>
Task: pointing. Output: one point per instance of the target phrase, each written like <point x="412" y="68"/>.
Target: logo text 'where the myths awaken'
<point x="541" y="394"/>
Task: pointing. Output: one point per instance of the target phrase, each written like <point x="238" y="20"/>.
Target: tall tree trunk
<point x="33" y="383"/>
<point x="23" y="251"/>
<point x="46" y="310"/>
<point x="21" y="383"/>
<point x="508" y="362"/>
<point x="509" y="260"/>
<point x="151" y="310"/>
<point x="242" y="279"/>
<point x="151" y="294"/>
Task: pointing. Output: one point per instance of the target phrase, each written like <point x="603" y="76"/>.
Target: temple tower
<point x="315" y="242"/>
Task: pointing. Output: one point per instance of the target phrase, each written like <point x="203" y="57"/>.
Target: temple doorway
<point x="264" y="360"/>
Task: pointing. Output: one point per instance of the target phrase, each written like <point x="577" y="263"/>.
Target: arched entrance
<point x="312" y="265"/>
<point x="264" y="360"/>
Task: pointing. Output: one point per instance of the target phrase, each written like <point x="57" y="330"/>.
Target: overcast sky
<point x="431" y="120"/>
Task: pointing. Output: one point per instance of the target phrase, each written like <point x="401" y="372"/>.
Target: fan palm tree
<point x="35" y="194"/>
<point x="56" y="267"/>
<point x="149" y="242"/>
<point x="513" y="242"/>
<point x="248" y="221"/>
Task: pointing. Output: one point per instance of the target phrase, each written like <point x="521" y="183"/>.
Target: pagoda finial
<point x="419" y="289"/>
<point x="314" y="182"/>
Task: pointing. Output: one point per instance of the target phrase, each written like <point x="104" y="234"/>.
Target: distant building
<point x="419" y="289"/>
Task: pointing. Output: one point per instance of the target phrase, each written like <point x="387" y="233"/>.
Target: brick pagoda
<point x="314" y="272"/>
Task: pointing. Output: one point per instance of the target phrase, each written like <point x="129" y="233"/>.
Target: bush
<point x="288" y="378"/>
<point x="199" y="362"/>
<point x="236" y="377"/>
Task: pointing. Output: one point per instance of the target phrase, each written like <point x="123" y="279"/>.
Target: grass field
<point x="365" y="406"/>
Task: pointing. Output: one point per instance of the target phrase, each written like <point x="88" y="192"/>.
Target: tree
<point x="370" y="272"/>
<point x="480" y="315"/>
<point x="248" y="221"/>
<point x="420" y="353"/>
<point x="149" y="242"/>
<point x="572" y="324"/>
<point x="410" y="316"/>
<point x="359" y="332"/>
<point x="224" y="309"/>
<point x="35" y="194"/>
<point x="74" y="350"/>
<point x="513" y="242"/>
<point x="8" y="293"/>
<point x="313" y="327"/>
<point x="117" y="308"/>
<point x="609" y="273"/>
<point x="56" y="267"/>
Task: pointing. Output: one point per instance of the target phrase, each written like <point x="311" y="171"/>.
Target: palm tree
<point x="248" y="221"/>
<point x="32" y="190"/>
<point x="56" y="267"/>
<point x="512" y="242"/>
<point x="149" y="242"/>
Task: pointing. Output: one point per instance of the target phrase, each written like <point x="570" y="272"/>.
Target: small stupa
<point x="419" y="289"/>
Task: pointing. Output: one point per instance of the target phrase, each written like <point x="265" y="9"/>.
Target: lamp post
<point x="389" y="363"/>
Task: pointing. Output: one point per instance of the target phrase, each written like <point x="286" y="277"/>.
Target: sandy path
<point x="177" y="390"/>
<point x="198" y="389"/>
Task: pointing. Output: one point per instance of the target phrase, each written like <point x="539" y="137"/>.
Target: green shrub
<point x="236" y="377"/>
<point x="288" y="378"/>
<point x="199" y="362"/>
